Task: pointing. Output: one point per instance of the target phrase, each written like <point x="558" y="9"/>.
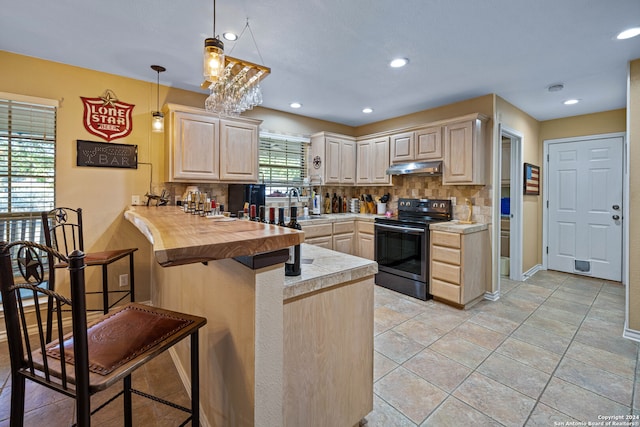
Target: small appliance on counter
<point x="238" y="194"/>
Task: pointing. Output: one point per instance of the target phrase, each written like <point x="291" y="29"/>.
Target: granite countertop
<point x="180" y="238"/>
<point x="457" y="227"/>
<point x="339" y="217"/>
<point x="323" y="268"/>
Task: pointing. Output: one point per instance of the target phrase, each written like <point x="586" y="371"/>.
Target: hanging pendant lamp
<point x="157" y="118"/>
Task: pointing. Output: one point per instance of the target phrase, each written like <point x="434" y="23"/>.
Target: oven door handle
<point x="399" y="228"/>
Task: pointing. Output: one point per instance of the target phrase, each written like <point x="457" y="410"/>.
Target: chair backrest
<point x="25" y="323"/>
<point x="62" y="229"/>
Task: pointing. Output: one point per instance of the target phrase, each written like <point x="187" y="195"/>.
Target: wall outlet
<point x="124" y="280"/>
<point x="135" y="200"/>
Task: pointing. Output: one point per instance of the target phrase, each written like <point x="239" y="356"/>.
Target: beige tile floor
<point x="547" y="353"/>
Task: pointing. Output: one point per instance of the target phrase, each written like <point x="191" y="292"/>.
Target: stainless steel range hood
<point x="416" y="168"/>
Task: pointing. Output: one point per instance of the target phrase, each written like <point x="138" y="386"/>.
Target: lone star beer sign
<point x="106" y="117"/>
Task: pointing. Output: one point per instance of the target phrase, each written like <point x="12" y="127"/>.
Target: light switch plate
<point x="135" y="200"/>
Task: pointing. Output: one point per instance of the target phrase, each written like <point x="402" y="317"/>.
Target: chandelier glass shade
<point x="213" y="59"/>
<point x="237" y="89"/>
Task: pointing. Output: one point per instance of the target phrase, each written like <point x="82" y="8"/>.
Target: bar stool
<point x="92" y="357"/>
<point x="62" y="229"/>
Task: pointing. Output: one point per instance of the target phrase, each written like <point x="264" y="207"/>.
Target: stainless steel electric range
<point x="402" y="245"/>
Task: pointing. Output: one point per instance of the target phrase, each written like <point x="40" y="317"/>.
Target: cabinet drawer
<point x="364" y="227"/>
<point x="323" y="242"/>
<point x="443" y="238"/>
<point x="447" y="272"/>
<point x="317" y="230"/>
<point x="343" y="227"/>
<point x="445" y="290"/>
<point x="444" y="254"/>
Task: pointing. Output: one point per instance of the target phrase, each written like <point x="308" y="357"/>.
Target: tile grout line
<point x="563" y="354"/>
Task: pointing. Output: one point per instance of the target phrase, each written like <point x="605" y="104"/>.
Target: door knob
<point x="616" y="217"/>
<point x="615" y="207"/>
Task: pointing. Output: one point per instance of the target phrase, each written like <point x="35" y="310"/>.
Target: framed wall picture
<point x="531" y="180"/>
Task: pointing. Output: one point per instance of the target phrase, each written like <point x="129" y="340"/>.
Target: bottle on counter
<point x="272" y="215"/>
<point x="252" y="213"/>
<point x="344" y="204"/>
<point x="339" y="204"/>
<point x="281" y="222"/>
<point x="292" y="265"/>
<point x="261" y="214"/>
<point x="334" y="203"/>
<point x="327" y="204"/>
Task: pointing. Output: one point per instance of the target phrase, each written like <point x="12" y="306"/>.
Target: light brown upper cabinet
<point x="464" y="151"/>
<point x="373" y="161"/>
<point x="333" y="158"/>
<point x="422" y="144"/>
<point x="238" y="151"/>
<point x="200" y="147"/>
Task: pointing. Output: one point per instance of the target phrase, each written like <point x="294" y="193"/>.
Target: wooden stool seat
<point x="62" y="228"/>
<point x="92" y="357"/>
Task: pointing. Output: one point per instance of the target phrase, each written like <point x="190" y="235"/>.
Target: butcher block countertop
<point x="179" y="238"/>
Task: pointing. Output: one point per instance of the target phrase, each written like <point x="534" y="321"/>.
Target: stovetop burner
<point x="421" y="211"/>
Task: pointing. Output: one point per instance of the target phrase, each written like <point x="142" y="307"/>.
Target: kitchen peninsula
<point x="276" y="350"/>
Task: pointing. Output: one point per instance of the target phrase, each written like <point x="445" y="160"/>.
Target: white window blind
<point x="27" y="156"/>
<point x="282" y="161"/>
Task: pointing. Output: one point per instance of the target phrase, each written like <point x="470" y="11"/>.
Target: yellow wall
<point x="515" y="119"/>
<point x="482" y="104"/>
<point x="104" y="193"/>
<point x="588" y="124"/>
<point x="633" y="135"/>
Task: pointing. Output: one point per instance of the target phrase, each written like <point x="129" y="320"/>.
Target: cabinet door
<point x="238" y="151"/>
<point x="323" y="242"/>
<point x="380" y="162"/>
<point x="343" y="243"/>
<point x="429" y="143"/>
<point x="364" y="161"/>
<point x="459" y="152"/>
<point x="402" y="147"/>
<point x="332" y="160"/>
<point x="193" y="148"/>
<point x="348" y="162"/>
<point x="366" y="246"/>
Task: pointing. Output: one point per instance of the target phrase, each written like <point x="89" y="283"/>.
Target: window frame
<point x="282" y="185"/>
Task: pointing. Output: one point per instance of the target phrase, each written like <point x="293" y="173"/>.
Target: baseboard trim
<point x="631" y="334"/>
<point x="533" y="270"/>
<point x="492" y="296"/>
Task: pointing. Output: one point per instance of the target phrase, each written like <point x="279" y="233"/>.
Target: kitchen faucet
<point x="293" y="191"/>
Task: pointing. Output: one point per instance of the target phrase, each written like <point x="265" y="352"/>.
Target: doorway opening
<point x="510" y="224"/>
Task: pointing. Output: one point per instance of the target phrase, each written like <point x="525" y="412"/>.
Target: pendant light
<point x="157" y="118"/>
<point x="213" y="54"/>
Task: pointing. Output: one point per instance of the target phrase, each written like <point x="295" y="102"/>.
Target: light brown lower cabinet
<point x="459" y="270"/>
<point x="365" y="239"/>
<point x="328" y="356"/>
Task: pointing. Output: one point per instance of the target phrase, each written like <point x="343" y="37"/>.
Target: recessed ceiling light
<point x="367" y="110"/>
<point x="230" y="36"/>
<point x="571" y="101"/>
<point x="399" y="62"/>
<point x="627" y="34"/>
<point x="555" y="87"/>
<point x="295" y="105"/>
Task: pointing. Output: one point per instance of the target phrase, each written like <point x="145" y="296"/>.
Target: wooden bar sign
<point x="106" y="155"/>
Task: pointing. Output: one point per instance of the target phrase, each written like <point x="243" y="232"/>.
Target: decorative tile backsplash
<point x="404" y="186"/>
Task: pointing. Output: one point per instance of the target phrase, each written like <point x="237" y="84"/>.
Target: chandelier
<point x="234" y="84"/>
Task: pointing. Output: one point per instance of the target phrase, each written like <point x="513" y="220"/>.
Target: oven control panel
<point x="425" y="206"/>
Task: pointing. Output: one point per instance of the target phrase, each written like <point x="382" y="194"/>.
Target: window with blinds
<point x="27" y="156"/>
<point x="282" y="162"/>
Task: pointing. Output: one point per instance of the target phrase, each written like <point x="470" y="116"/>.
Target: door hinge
<point x="547" y="204"/>
<point x="547" y="158"/>
<point x="547" y="250"/>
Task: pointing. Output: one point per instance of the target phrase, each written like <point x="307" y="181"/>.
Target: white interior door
<point x="585" y="207"/>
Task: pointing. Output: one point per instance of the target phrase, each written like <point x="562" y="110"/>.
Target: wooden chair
<point x="92" y="357"/>
<point x="62" y="229"/>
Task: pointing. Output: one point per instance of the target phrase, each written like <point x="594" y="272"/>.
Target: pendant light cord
<point x="158" y="92"/>
<point x="214" y="18"/>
